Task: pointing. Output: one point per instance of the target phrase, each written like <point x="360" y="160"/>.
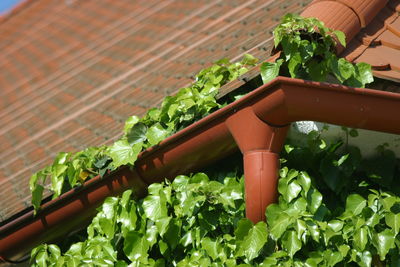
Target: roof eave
<point x="278" y="103"/>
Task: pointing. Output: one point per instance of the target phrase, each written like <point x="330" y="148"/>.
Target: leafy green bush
<point x="334" y="209"/>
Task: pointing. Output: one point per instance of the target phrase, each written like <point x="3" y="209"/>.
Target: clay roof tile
<point x="372" y="31"/>
<point x="72" y="71"/>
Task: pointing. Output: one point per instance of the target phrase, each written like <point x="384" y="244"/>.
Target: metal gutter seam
<point x="256" y="123"/>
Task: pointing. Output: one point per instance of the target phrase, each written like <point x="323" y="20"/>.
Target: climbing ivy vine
<point x="308" y="52"/>
<point x="334" y="208"/>
<point x="176" y="112"/>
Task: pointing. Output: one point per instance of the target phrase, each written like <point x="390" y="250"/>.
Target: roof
<point x="72" y="71"/>
<point x="372" y="28"/>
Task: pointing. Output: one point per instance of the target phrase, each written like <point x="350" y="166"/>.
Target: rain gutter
<point x="256" y="124"/>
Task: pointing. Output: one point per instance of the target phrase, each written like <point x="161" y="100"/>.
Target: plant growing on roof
<point x="308" y="52"/>
<point x="176" y="112"/>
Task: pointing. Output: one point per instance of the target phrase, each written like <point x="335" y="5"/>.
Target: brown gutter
<point x="256" y="123"/>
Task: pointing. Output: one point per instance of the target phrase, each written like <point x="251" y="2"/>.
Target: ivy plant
<point x="333" y="210"/>
<point x="68" y="170"/>
<point x="308" y="52"/>
<point x="176" y="112"/>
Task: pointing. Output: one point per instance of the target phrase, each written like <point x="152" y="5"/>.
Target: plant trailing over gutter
<point x="176" y="112"/>
<point x="308" y="52"/>
<point x="117" y="236"/>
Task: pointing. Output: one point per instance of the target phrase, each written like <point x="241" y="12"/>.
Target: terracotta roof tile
<point x="73" y="71"/>
<point x="371" y="27"/>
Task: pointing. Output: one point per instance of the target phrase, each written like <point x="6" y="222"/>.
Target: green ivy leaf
<point x="57" y="178"/>
<point x="314" y="200"/>
<point x="360" y="238"/>
<point x="249" y="60"/>
<point x="294" y="64"/>
<point x="129" y="123"/>
<point x="355" y="204"/>
<point x="156" y="133"/>
<point x="137" y="134"/>
<point x="254" y="241"/>
<point x="151" y="235"/>
<point x="123" y="153"/>
<point x="305" y="181"/>
<point x="393" y="221"/>
<point x="346" y="69"/>
<point x="37" y="194"/>
<point x="364" y="259"/>
<point x="155" y="207"/>
<point x="293" y="191"/>
<point x="341" y="37"/>
<point x="188" y="238"/>
<point x="127" y="215"/>
<point x="314" y="260"/>
<point x="102" y="162"/>
<point x="280" y="225"/>
<point x="136" y="246"/>
<point x="344" y="250"/>
<point x="301" y="228"/>
<point x="313" y="230"/>
<point x="336" y="225"/>
<point x="243" y="228"/>
<point x="383" y="242"/>
<point x="291" y="243"/>
<point x="270" y="71"/>
<point x="211" y="247"/>
<point x="365" y="73"/>
<point x="388" y="202"/>
<point x="173" y="234"/>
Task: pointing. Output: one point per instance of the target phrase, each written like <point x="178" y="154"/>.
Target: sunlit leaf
<point x="269" y="71"/>
<point x="123" y="153"/>
<point x="254" y="241"/>
<point x="355" y="203"/>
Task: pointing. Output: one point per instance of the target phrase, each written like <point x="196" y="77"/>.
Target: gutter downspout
<point x="260" y="144"/>
<point x="257" y="123"/>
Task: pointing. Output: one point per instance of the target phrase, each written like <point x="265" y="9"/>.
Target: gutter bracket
<point x="260" y="145"/>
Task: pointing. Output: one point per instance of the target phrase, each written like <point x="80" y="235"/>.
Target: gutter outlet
<point x="260" y="145"/>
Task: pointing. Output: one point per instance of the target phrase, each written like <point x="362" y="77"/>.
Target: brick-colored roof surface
<point x="379" y="43"/>
<point x="73" y="70"/>
<point x="373" y="28"/>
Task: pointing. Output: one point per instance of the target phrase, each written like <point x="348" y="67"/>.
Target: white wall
<point x="366" y="140"/>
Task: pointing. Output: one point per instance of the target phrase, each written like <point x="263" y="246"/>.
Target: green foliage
<point x="334" y="208"/>
<point x="306" y="46"/>
<point x="307" y="52"/>
<point x="342" y="215"/>
<point x="191" y="220"/>
<point x="176" y="112"/>
<point x="196" y="220"/>
<point x="68" y="170"/>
